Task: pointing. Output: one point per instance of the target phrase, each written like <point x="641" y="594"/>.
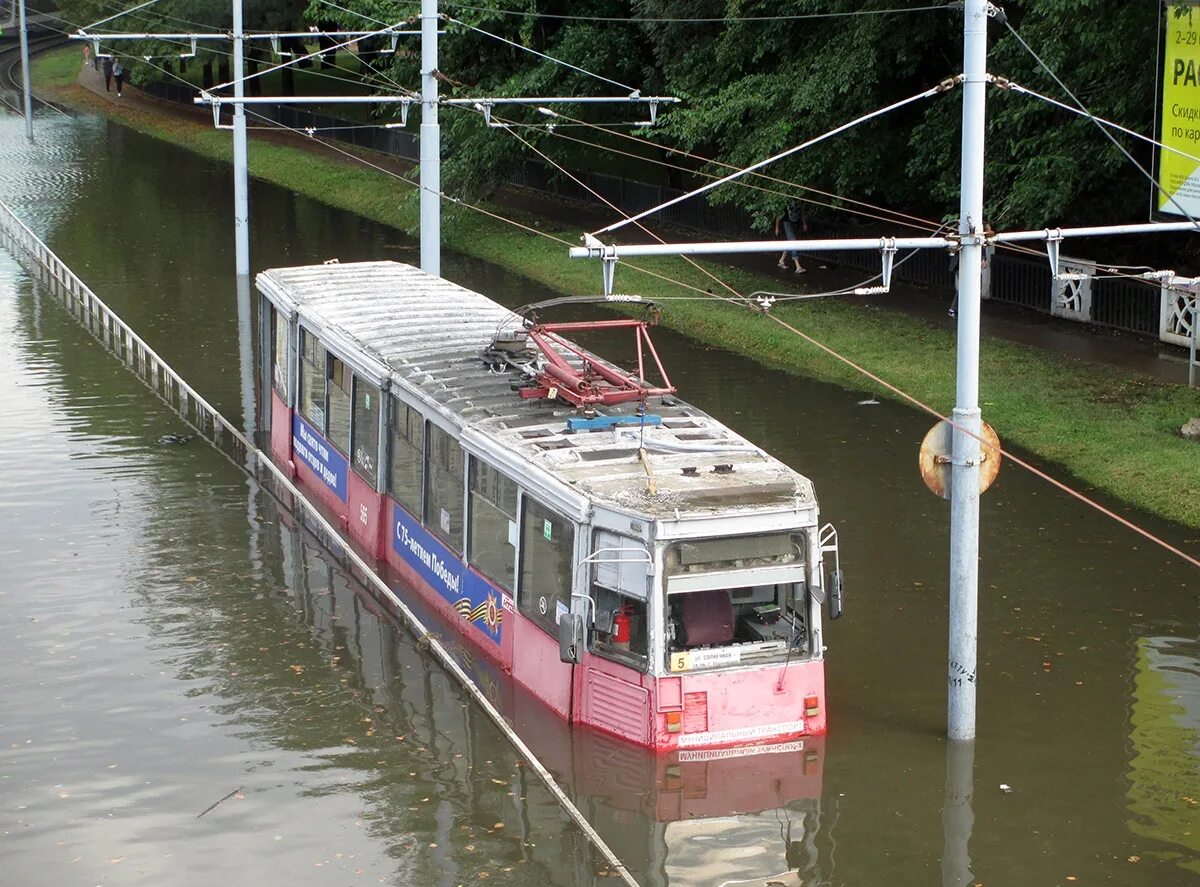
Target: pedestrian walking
<point x="119" y="76"/>
<point x="108" y="72"/>
<point x="87" y="54"/>
<point x="793" y="222"/>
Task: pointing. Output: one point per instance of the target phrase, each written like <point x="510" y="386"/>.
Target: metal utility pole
<point x="25" y="73"/>
<point x="964" y="489"/>
<point x="431" y="148"/>
<point x="241" y="183"/>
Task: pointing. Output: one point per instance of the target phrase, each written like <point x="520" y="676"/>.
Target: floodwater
<point x="172" y="640"/>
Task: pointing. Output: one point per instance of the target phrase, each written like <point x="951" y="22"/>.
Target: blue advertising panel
<point x="475" y="599"/>
<point x="319" y="456"/>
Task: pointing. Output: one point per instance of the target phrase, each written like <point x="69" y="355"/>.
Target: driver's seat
<point x="705" y="618"/>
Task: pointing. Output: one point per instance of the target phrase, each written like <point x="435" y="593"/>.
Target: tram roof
<point x="428" y="334"/>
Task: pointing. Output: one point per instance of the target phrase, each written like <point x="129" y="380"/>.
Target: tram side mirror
<point x="570" y="638"/>
<point x="835" y="594"/>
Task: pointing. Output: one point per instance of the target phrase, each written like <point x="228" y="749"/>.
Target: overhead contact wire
<point x="900" y="393"/>
<point x="701" y="20"/>
<point x="837" y="130"/>
<point x="1090" y="116"/>
<point x="613" y="206"/>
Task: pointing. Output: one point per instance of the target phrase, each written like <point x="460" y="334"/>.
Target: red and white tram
<point x="632" y="562"/>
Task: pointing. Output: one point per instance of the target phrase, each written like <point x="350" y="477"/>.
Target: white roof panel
<point x="428" y="335"/>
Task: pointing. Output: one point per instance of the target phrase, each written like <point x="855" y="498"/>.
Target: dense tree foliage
<point x="754" y="88"/>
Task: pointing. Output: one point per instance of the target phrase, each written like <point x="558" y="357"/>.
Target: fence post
<point x="1071" y="290"/>
<point x="1178" y="299"/>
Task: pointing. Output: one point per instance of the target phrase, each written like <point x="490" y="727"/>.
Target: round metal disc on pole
<point x="936" y="458"/>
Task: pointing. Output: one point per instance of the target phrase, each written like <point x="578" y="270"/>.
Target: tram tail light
<point x="674" y="721"/>
<point x="812" y="705"/>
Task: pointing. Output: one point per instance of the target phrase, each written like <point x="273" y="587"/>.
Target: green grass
<point x="57" y="68"/>
<point x="1115" y="431"/>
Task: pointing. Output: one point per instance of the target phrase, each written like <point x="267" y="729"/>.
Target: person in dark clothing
<point x="108" y="72"/>
<point x="119" y="76"/>
<point x="793" y="222"/>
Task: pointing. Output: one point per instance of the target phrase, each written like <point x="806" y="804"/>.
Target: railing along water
<point x="145" y="363"/>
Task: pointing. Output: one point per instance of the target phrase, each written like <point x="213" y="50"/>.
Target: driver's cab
<point x="737" y="600"/>
<point x="692" y="604"/>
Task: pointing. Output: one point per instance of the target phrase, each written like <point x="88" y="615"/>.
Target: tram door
<point x="543" y="597"/>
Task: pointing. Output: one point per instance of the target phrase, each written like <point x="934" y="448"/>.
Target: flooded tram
<point x="634" y="564"/>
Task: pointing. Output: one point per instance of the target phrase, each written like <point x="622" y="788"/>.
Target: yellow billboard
<point x="1178" y="172"/>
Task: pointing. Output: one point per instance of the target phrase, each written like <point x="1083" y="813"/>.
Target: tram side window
<point x="547" y="553"/>
<point x="408" y="455"/>
<point x="493" y="523"/>
<point x="620" y="629"/>
<point x="312" y="379"/>
<point x="279" y="353"/>
<point x="366" y="429"/>
<point x="339" y="404"/>
<point x="445" y="488"/>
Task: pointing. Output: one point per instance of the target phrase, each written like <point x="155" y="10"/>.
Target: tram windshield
<point x="735" y="600"/>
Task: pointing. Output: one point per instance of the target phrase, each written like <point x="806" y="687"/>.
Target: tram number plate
<point x="689" y="659"/>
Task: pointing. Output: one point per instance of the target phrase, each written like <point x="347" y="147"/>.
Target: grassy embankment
<point x="1115" y="431"/>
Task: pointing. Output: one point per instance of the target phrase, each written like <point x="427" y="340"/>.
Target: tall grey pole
<point x="25" y="74"/>
<point x="241" y="185"/>
<point x="964" y="492"/>
<point x="431" y="148"/>
<point x="247" y="359"/>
